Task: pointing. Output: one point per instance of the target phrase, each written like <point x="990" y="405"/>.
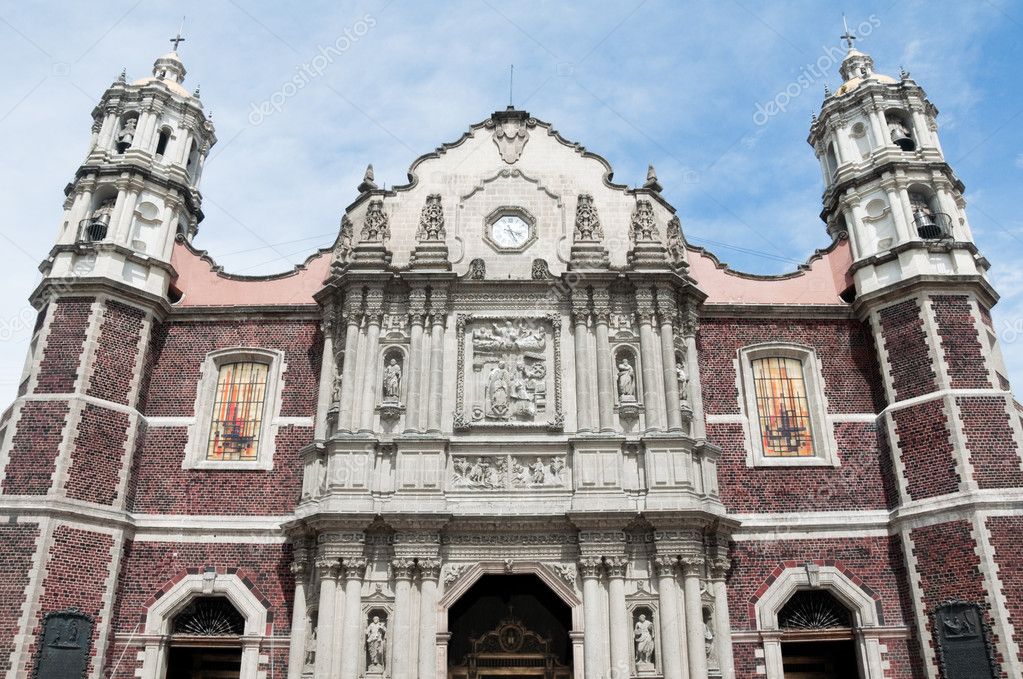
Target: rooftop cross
<point x="177" y="39"/>
<point x="848" y="36"/>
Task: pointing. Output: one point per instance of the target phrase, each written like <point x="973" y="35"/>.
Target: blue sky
<point x="672" y="84"/>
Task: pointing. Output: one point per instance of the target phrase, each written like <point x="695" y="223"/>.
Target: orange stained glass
<point x="782" y="407"/>
<point x="237" y="411"/>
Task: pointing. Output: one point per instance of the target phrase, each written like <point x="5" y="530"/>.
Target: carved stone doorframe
<point x="472" y="575"/>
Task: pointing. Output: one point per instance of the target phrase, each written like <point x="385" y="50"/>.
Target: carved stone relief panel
<point x="508" y="472"/>
<point x="509" y="372"/>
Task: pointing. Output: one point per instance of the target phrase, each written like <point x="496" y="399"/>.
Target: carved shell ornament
<point x="511" y="137"/>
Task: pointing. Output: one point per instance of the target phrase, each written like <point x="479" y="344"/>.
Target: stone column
<point x="621" y="643"/>
<point x="327" y="368"/>
<point x="353" y="645"/>
<point x="722" y="621"/>
<point x="580" y="314"/>
<point x="667" y="615"/>
<point x="429" y="573"/>
<point x="648" y="349"/>
<point x="345" y="416"/>
<point x="438" y="304"/>
<point x="880" y="128"/>
<point x="605" y="382"/>
<point x="401" y="661"/>
<point x="593" y="652"/>
<point x="667" y="308"/>
<point x="417" y="312"/>
<point x="299" y="628"/>
<point x="327" y="570"/>
<point x="692" y="569"/>
<point x="369" y="380"/>
<point x="902" y="227"/>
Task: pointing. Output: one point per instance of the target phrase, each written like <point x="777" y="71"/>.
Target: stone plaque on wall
<point x="963" y="642"/>
<point x="65" y="645"/>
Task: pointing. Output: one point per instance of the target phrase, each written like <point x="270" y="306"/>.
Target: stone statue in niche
<point x="683" y="381"/>
<point x="644" y="636"/>
<point x="626" y="380"/>
<point x="127" y="135"/>
<point x="392" y="380"/>
<point x="376" y="633"/>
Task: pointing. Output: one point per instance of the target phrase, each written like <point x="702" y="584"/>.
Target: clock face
<point x="510" y="231"/>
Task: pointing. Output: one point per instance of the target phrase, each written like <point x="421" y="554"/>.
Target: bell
<point x="926" y="226"/>
<point x="904" y="142"/>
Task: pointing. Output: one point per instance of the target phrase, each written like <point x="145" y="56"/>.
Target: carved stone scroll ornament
<point x="343" y="247"/>
<point x="676" y="246"/>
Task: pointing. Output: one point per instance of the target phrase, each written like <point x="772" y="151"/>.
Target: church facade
<point x="513" y="425"/>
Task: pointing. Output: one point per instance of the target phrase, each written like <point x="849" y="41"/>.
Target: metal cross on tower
<point x="848" y="36"/>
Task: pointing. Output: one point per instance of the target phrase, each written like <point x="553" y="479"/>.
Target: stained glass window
<point x="782" y="407"/>
<point x="237" y="411"/>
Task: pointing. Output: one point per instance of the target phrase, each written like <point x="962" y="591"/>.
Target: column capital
<point x="429" y="569"/>
<point x="664" y="565"/>
<point x="719" y="568"/>
<point x="327" y="568"/>
<point x="355" y="568"/>
<point x="645" y="305"/>
<point x="692" y="565"/>
<point x="590" y="566"/>
<point x="617" y="566"/>
<point x="401" y="569"/>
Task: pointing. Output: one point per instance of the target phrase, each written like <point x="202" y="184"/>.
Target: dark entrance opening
<point x="205" y="641"/>
<point x="509" y="626"/>
<point x="819" y="659"/>
<point x="817" y="639"/>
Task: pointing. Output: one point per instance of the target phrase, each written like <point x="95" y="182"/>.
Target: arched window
<point x="162" y="141"/>
<point x="238" y="412"/>
<point x="209" y="617"/>
<point x="814" y="609"/>
<point x="783" y="399"/>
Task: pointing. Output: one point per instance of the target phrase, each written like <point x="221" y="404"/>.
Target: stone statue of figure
<point x="644" y="640"/>
<point x="127" y="134"/>
<point x="626" y="381"/>
<point x="376" y="632"/>
<point x="498" y="392"/>
<point x="683" y="382"/>
<point x="392" y="380"/>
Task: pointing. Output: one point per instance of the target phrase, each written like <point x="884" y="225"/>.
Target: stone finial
<point x="651" y="180"/>
<point x="367" y="181"/>
<point x="431" y="247"/>
<point x="123" y="77"/>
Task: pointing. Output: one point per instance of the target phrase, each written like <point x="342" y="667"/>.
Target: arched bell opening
<point x="900" y="129"/>
<point x="930" y="222"/>
<point x="512" y="625"/>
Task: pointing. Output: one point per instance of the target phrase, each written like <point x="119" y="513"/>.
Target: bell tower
<point x="950" y="430"/>
<point x="138" y="186"/>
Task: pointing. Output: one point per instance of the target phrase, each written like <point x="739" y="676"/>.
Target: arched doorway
<point x="509" y="626"/>
<point x="205" y="641"/>
<point x="817" y="637"/>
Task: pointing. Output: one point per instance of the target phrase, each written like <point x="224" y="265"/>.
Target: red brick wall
<point x="857" y="483"/>
<point x="964" y="358"/>
<point x="927" y="453"/>
<point x="1005" y="538"/>
<point x="34" y="448"/>
<point x="903" y="663"/>
<point x="873" y="563"/>
<point x="116" y="352"/>
<point x="745" y="659"/>
<point x="848" y="361"/>
<point x="98" y="455"/>
<point x="179" y="348"/>
<point x="19" y="544"/>
<point x="993" y="450"/>
<point x="909" y="362"/>
<point x="150" y="569"/>
<point x="162" y="486"/>
<point x="949" y="569"/>
<point x="61" y="359"/>
<point x="76" y="574"/>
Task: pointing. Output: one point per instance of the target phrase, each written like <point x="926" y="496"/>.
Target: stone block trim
<point x="905" y="340"/>
<point x="177" y="351"/>
<point x="62" y="356"/>
<point x="857" y="484"/>
<point x="77" y="570"/>
<point x="948" y="568"/>
<point x="852" y="382"/>
<point x="1005" y="534"/>
<point x="874" y="564"/>
<point x="162" y="486"/>
<point x="989" y="437"/>
<point x="957" y="330"/>
<point x="35" y="447"/>
<point x="117" y="351"/>
<point x="19" y="545"/>
<point x="98" y="455"/>
<point x="928" y="457"/>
